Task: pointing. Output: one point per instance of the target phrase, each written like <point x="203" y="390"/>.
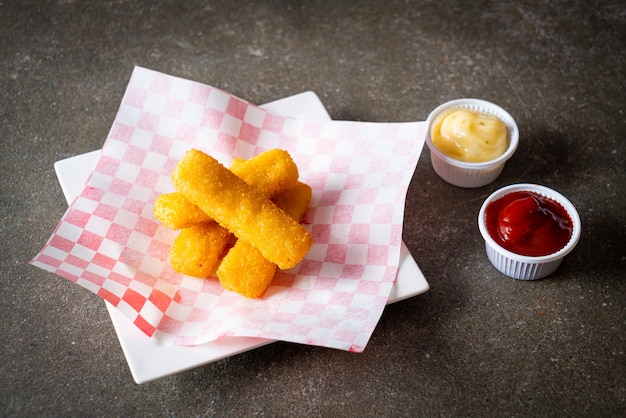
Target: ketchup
<point x="528" y="223"/>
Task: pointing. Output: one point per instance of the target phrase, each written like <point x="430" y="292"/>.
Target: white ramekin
<point x="526" y="267"/>
<point x="461" y="173"/>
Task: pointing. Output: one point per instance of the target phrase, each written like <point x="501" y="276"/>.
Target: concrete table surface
<point x="476" y="344"/>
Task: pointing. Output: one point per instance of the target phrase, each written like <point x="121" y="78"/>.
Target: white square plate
<point x="147" y="358"/>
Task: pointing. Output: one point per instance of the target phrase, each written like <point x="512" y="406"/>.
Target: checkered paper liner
<point x="109" y="241"/>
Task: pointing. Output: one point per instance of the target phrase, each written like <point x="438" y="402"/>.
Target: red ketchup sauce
<point x="527" y="223"/>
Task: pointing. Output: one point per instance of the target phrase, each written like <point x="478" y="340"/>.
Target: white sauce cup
<point x="465" y="174"/>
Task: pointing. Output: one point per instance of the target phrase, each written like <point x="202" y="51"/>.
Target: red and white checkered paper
<point x="109" y="241"/>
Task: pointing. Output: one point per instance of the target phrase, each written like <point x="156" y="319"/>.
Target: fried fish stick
<point x="196" y="249"/>
<point x="244" y="270"/>
<point x="270" y="172"/>
<point x="174" y="211"/>
<point x="295" y="201"/>
<point x="241" y="209"/>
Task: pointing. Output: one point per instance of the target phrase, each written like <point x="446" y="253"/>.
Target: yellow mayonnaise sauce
<point x="469" y="136"/>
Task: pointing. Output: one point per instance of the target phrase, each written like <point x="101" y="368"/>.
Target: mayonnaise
<point x="469" y="135"/>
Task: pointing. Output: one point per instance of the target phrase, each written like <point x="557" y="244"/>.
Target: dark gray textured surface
<point x="478" y="343"/>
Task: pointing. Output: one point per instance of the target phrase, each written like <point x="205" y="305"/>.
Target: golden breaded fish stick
<point x="244" y="270"/>
<point x="295" y="201"/>
<point x="270" y="172"/>
<point x="197" y="249"/>
<point x="174" y="211"/>
<point x="241" y="209"/>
